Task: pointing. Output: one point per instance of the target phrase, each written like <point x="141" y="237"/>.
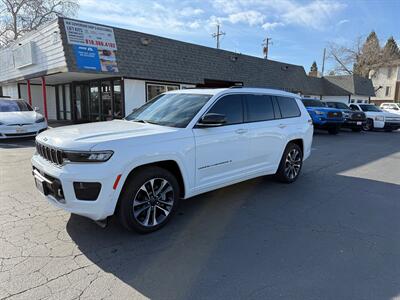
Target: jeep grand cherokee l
<point x="180" y="144"/>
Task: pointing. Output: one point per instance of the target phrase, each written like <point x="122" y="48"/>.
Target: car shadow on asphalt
<point x="25" y="142"/>
<point x="328" y="235"/>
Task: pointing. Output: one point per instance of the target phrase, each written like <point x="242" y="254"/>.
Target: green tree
<point x="390" y="50"/>
<point x="369" y="56"/>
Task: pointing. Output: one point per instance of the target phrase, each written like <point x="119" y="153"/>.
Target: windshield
<point x="14" y="105"/>
<point x="313" y="103"/>
<point x="175" y="110"/>
<point x="366" y="107"/>
<point x="339" y="105"/>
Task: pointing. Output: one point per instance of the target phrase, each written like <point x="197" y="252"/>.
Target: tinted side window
<point x="230" y="106"/>
<point x="259" y="108"/>
<point x="353" y="107"/>
<point x="332" y="105"/>
<point x="288" y="106"/>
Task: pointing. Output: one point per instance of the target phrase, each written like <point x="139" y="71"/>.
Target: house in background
<point x="76" y="71"/>
<point x="386" y="81"/>
<point x="359" y="89"/>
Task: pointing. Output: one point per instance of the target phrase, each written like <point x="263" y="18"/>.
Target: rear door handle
<point x="282" y="126"/>
<point x="241" y="131"/>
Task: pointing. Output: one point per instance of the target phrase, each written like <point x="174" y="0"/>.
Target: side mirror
<point x="212" y="120"/>
<point x="36" y="108"/>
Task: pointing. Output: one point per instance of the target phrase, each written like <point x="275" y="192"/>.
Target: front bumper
<point x="17" y="131"/>
<point x="354" y="123"/>
<point x="392" y="125"/>
<point x="64" y="196"/>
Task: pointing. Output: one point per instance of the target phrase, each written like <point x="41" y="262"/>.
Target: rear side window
<point x="259" y="108"/>
<point x="288" y="107"/>
<point x="231" y="106"/>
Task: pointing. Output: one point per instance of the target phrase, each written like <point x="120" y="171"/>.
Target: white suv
<point x="180" y="144"/>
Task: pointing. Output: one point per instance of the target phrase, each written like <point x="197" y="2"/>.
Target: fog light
<point x="88" y="191"/>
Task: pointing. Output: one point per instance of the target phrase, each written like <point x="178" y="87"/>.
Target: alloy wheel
<point x="293" y="164"/>
<point x="368" y="125"/>
<point x="153" y="202"/>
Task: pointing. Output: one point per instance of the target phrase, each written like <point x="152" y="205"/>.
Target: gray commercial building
<point x="79" y="71"/>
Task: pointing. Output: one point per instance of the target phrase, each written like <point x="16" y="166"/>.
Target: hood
<point x="19" y="117"/>
<point x="390" y="115"/>
<point x="324" y="109"/>
<point x="86" y="136"/>
<point x="374" y="113"/>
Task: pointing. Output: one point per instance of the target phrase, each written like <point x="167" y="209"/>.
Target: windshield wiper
<point x="141" y="121"/>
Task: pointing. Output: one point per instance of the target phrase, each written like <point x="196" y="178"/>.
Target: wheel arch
<point x="169" y="165"/>
<point x="298" y="141"/>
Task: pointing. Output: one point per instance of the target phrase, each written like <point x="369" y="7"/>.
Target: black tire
<point x="369" y="125"/>
<point x="137" y="192"/>
<point x="282" y="174"/>
<point x="356" y="129"/>
<point x="333" y="130"/>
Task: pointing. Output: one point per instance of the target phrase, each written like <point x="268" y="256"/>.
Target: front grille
<point x="357" y="116"/>
<point x="392" y="119"/>
<point x="19" y="134"/>
<point x="334" y="114"/>
<point x="51" y="154"/>
<point x="20" y="124"/>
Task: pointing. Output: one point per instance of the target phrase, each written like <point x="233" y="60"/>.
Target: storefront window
<point x="155" y="89"/>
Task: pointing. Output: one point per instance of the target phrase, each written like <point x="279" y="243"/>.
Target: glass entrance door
<point x="98" y="101"/>
<point x="106" y="101"/>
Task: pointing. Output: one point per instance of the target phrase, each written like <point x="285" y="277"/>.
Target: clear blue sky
<point x="299" y="29"/>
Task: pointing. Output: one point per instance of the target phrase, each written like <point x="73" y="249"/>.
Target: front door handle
<point x="241" y="131"/>
<point x="282" y="126"/>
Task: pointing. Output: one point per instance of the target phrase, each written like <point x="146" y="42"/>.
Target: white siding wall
<point x="10" y="90"/>
<point x="343" y="99"/>
<point x="134" y="94"/>
<point x="380" y="78"/>
<point x="47" y="52"/>
<point x="358" y="98"/>
<point x="37" y="99"/>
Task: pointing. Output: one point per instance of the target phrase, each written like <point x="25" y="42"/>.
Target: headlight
<point x="379" y="118"/>
<point x="346" y="115"/>
<point x="89" y="156"/>
<point x="40" y="120"/>
<point x="318" y="112"/>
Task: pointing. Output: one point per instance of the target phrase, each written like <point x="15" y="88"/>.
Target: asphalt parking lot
<point x="334" y="234"/>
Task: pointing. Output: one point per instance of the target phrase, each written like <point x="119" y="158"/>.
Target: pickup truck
<point x="354" y="120"/>
<point x="324" y="117"/>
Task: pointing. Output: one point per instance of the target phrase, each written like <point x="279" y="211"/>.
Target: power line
<point x="218" y="34"/>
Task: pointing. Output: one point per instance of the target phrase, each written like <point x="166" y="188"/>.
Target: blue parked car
<point x="324" y="117"/>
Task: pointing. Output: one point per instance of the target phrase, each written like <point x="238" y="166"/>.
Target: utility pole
<point x="323" y="63"/>
<point x="218" y="34"/>
<point x="266" y="43"/>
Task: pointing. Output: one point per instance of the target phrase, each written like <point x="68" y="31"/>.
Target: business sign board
<point x="87" y="58"/>
<point x="88" y="38"/>
<point x="23" y="55"/>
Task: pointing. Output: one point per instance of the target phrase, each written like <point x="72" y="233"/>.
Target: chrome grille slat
<point x="51" y="154"/>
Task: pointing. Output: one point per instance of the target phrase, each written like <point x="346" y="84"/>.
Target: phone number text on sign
<point x="90" y="34"/>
